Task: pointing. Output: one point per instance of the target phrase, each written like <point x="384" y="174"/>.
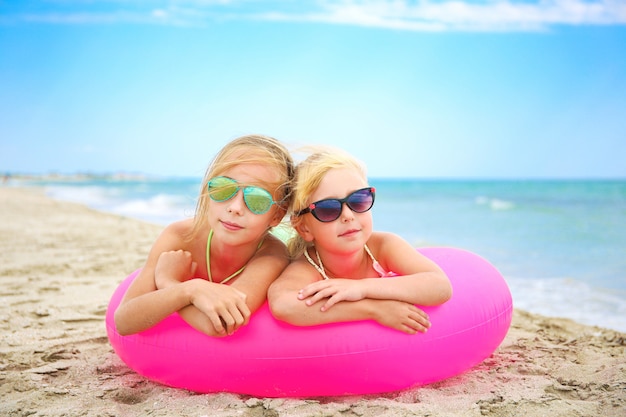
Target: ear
<point x="302" y="228"/>
<point x="278" y="216"/>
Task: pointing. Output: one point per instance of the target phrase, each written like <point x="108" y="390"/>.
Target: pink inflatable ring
<point x="269" y="358"/>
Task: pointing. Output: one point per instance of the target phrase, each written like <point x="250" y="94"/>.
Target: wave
<point x="494" y="203"/>
<point x="570" y="298"/>
<point x="160" y="208"/>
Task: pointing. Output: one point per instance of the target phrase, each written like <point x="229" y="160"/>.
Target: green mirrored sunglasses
<point x="257" y="199"/>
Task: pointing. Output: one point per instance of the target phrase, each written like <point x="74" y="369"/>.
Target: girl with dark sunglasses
<point x="338" y="260"/>
<point x="215" y="268"/>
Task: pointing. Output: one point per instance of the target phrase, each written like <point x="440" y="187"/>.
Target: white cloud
<point x="413" y="15"/>
<point x="487" y="15"/>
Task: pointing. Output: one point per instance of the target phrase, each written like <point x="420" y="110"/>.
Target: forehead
<point x="338" y="183"/>
<point x="253" y="173"/>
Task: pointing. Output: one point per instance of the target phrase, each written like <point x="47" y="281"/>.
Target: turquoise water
<point x="560" y="245"/>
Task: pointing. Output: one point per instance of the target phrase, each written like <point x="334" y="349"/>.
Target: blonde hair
<point x="308" y="176"/>
<point x="249" y="149"/>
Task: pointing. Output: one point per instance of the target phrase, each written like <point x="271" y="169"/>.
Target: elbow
<point x="282" y="308"/>
<point x="120" y="327"/>
<point x="440" y="292"/>
<point x="445" y="292"/>
<point x="279" y="310"/>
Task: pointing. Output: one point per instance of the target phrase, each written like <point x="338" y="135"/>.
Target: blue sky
<point x="461" y="89"/>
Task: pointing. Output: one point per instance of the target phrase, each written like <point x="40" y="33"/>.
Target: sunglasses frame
<point x="246" y="192"/>
<point x="311" y="208"/>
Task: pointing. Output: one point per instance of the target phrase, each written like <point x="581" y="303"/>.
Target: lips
<point x="231" y="226"/>
<point x="349" y="233"/>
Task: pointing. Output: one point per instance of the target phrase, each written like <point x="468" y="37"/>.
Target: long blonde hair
<point x="308" y="176"/>
<point x="249" y="149"/>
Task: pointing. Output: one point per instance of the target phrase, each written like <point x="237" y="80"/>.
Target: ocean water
<point x="561" y="245"/>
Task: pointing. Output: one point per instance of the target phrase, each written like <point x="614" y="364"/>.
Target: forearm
<point x="145" y="311"/>
<point x="293" y="311"/>
<point x="198" y="320"/>
<point x="425" y="288"/>
<point x="167" y="280"/>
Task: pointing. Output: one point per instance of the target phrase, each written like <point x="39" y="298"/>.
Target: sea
<point x="560" y="244"/>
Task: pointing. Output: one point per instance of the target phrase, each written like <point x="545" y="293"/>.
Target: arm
<point x="419" y="280"/>
<point x="287" y="306"/>
<point x="269" y="261"/>
<point x="144" y="305"/>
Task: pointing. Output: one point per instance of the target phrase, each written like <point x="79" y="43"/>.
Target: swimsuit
<point x="208" y="259"/>
<point x="320" y="268"/>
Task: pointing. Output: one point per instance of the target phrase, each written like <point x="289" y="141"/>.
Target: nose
<point x="236" y="203"/>
<point x="347" y="215"/>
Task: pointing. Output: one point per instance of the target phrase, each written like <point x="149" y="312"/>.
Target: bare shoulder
<point x="396" y="254"/>
<point x="382" y="240"/>
<point x="181" y="227"/>
<point x="175" y="236"/>
<point x="272" y="242"/>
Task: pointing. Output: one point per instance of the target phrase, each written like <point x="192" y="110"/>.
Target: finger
<point x="240" y="312"/>
<point x="331" y="302"/>
<point x="225" y="326"/>
<point x="419" y="324"/>
<point x="321" y="295"/>
<point x="312" y="288"/>
<point x="417" y="312"/>
<point x="407" y="329"/>
<point x="241" y="294"/>
<point x="246" y="313"/>
<point x="229" y="323"/>
<point x="237" y="317"/>
<point x="217" y="322"/>
<point x="194" y="266"/>
<point x="423" y="320"/>
<point x="314" y="299"/>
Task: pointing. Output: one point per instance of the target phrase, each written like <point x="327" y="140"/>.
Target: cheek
<point x="367" y="222"/>
<point x="324" y="232"/>
<point x="214" y="208"/>
<point x="263" y="221"/>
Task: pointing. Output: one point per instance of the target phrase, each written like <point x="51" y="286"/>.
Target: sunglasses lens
<point x="327" y="210"/>
<point x="257" y="199"/>
<point x="362" y="200"/>
<point x="222" y="188"/>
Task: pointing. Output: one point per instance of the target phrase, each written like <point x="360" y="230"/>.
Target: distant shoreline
<point x="134" y="176"/>
<point x="118" y="176"/>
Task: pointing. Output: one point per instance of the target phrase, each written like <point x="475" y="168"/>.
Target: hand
<point x="224" y="306"/>
<point x="402" y="316"/>
<point x="173" y="267"/>
<point x="335" y="290"/>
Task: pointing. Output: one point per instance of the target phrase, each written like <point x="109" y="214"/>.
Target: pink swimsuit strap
<point x="377" y="267"/>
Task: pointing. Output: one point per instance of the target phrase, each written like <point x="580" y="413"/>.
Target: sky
<point x="499" y="89"/>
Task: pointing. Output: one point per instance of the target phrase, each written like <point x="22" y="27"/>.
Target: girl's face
<point x="231" y="220"/>
<point x="351" y="230"/>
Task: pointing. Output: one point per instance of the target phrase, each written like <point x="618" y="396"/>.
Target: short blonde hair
<point x="308" y="175"/>
<point x="249" y="149"/>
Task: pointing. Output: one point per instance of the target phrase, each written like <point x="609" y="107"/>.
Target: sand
<point x="60" y="262"/>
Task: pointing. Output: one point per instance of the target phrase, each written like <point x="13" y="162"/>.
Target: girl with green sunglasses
<point x="215" y="268"/>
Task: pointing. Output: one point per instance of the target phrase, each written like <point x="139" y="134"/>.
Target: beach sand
<point x="59" y="265"/>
